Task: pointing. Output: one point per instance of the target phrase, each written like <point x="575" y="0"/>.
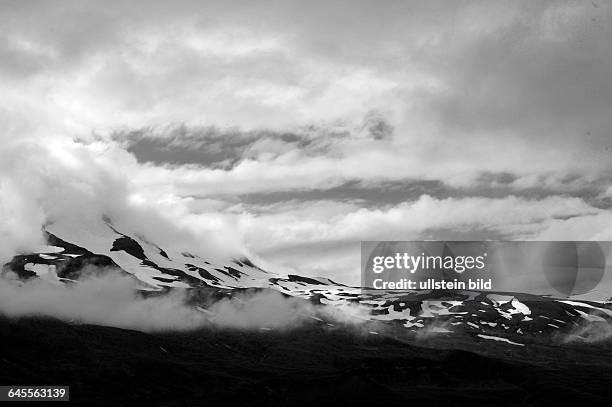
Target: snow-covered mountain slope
<point x="486" y="315"/>
<point x="100" y="243"/>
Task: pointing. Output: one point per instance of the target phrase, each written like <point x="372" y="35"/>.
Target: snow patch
<point x="497" y="338"/>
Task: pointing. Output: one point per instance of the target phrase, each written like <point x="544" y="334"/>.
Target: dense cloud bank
<point x="103" y="297"/>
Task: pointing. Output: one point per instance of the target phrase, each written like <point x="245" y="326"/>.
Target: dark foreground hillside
<point x="313" y="365"/>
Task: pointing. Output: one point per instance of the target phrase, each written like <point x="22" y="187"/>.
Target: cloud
<point x="333" y="221"/>
<point x="597" y="226"/>
<point x="322" y="237"/>
<point x="592" y="332"/>
<point x="222" y="101"/>
<point x="472" y="78"/>
<point x="264" y="310"/>
<point x="57" y="179"/>
<point x="104" y="297"/>
<point x="20" y="221"/>
<point x="210" y="146"/>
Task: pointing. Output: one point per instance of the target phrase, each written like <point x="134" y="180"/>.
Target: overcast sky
<point x="293" y="130"/>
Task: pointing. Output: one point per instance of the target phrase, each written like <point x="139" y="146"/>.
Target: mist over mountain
<point x="106" y="276"/>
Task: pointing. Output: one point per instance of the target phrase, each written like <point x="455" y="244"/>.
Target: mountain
<point x="440" y="347"/>
<point x="512" y="319"/>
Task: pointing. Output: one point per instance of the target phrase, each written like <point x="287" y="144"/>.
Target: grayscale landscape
<point x="185" y="186"/>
